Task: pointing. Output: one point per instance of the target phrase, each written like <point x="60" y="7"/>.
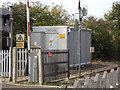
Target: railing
<point x="22" y="61"/>
<point x="4" y="62"/>
<point x="22" y="58"/>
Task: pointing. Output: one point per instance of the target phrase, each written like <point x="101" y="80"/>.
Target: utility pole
<point x="80" y="16"/>
<point x="28" y="23"/>
<point x="79" y="39"/>
<point x="11" y="42"/>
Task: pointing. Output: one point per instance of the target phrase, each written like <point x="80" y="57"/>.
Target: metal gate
<point x="22" y="55"/>
<point x="5" y="61"/>
<point x="22" y="61"/>
<point x="55" y="64"/>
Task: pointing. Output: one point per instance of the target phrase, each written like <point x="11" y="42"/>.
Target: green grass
<point x="54" y="84"/>
<point x="107" y="62"/>
<point x="48" y="84"/>
<point x="27" y="83"/>
<point x="118" y="62"/>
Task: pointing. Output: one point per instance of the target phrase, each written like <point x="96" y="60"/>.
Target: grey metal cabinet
<point x="64" y="37"/>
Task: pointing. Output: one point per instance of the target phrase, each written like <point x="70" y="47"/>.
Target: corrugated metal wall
<point x="82" y="42"/>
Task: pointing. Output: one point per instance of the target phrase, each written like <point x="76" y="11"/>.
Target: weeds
<point x="53" y="84"/>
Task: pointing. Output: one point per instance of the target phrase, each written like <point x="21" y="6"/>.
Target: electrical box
<point x="49" y="37"/>
<point x="33" y="67"/>
<point x="79" y="43"/>
<point x="76" y="40"/>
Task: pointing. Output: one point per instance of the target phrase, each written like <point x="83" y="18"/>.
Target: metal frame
<point x="45" y="64"/>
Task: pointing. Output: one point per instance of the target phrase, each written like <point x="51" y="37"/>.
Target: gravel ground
<point x="96" y="66"/>
<point x="85" y="69"/>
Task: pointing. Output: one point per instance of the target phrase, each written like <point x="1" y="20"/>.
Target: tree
<point x="44" y="16"/>
<point x="101" y="37"/>
<point x="106" y="33"/>
<point x="40" y="15"/>
<point x="19" y="24"/>
<point x="60" y="15"/>
<point x="113" y="16"/>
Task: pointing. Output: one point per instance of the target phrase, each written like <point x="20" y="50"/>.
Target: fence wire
<point x="55" y="66"/>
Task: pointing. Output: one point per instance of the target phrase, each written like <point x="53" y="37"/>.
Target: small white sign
<point x="51" y="42"/>
<point x="35" y="56"/>
<point x="92" y="49"/>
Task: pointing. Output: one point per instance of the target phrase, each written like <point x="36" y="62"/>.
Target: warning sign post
<point x="20" y="40"/>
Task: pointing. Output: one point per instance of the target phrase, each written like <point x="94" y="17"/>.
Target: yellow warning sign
<point x="33" y="45"/>
<point x="51" y="41"/>
<point x="20" y="45"/>
<point x="20" y="39"/>
<point x="62" y="35"/>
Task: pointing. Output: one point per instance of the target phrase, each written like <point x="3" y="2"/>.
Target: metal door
<point x="37" y="40"/>
<point x="33" y="67"/>
<point x="50" y="41"/>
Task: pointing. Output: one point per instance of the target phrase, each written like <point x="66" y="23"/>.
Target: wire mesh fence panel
<point x="55" y="64"/>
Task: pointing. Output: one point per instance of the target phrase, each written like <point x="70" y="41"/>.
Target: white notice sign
<point x="92" y="49"/>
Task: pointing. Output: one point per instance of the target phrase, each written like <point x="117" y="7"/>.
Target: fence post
<point x="88" y="82"/>
<point x="0" y="82"/>
<point x="68" y="65"/>
<point x="14" y="77"/>
<point x="40" y="68"/>
<point x="115" y="78"/>
<point x="77" y="84"/>
<point x="103" y="81"/>
<point x="10" y="64"/>
<point x="0" y="75"/>
<point x="118" y="69"/>
<point x="109" y="81"/>
<point x="97" y="81"/>
<point x="63" y="87"/>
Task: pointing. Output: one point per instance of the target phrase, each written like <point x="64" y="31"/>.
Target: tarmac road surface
<point x="11" y="85"/>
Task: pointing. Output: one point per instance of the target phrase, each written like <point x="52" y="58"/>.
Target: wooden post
<point x="14" y="77"/>
<point x="68" y="66"/>
<point x="40" y="68"/>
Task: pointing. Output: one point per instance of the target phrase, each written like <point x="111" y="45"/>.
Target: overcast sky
<point x="96" y="8"/>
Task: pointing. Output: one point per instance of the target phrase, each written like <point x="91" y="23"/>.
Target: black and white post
<point x="28" y="23"/>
